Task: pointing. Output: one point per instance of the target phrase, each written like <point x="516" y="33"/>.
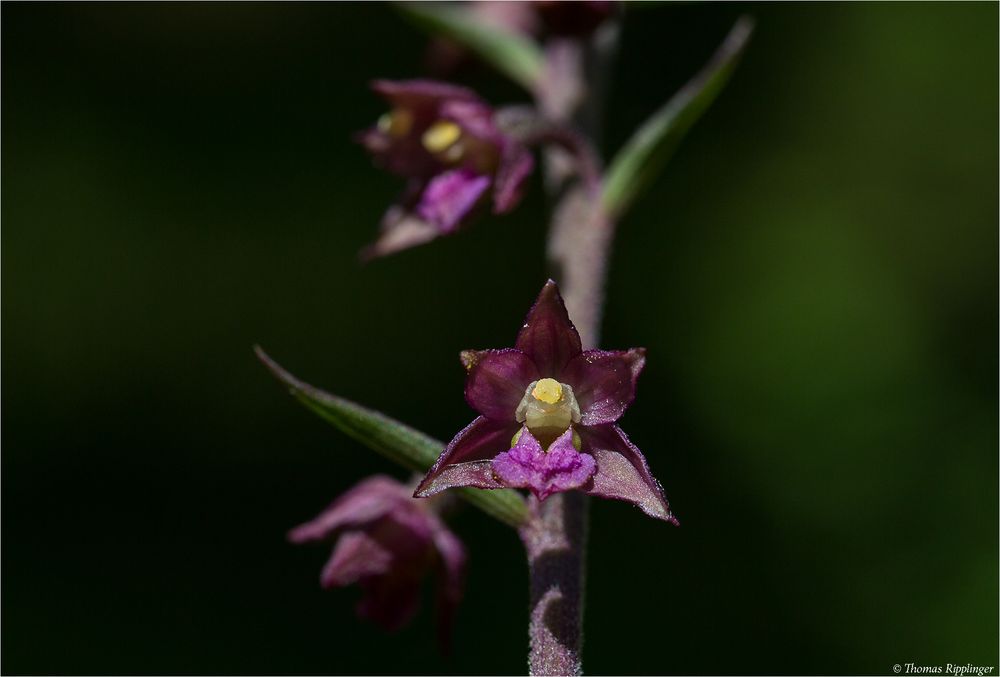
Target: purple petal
<point x="463" y="462"/>
<point x="399" y="540"/>
<point x="449" y="197"/>
<point x="622" y="472"/>
<point x="528" y="466"/>
<point x="497" y="381"/>
<point x="474" y="117"/>
<point x="548" y="337"/>
<point x="417" y="93"/>
<point x="400" y="229"/>
<point x="478" y="474"/>
<point x="469" y="358"/>
<point x="403" y="155"/>
<point x="356" y="555"/>
<point x="516" y="164"/>
<point x="366" y="502"/>
<point x="604" y="382"/>
<point x="373" y="140"/>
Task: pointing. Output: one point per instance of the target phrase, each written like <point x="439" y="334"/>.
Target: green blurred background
<point x="814" y="276"/>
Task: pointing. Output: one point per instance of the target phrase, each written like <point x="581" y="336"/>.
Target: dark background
<point x="814" y="276"/>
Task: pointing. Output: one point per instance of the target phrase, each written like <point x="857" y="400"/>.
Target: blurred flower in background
<point x="387" y="543"/>
<point x="444" y="140"/>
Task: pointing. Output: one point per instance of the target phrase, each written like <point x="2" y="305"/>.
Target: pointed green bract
<point x="516" y="56"/>
<point x="643" y="155"/>
<point x="394" y="440"/>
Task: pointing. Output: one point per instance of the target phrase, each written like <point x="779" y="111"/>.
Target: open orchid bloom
<point x="548" y="412"/>
<point x="387" y="542"/>
<point x="445" y="141"/>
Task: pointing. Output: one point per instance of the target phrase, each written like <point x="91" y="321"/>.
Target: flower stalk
<point x="578" y="249"/>
<point x="555" y="538"/>
<point x="556" y="541"/>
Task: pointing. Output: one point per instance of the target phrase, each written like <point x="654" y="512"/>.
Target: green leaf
<point x="514" y="55"/>
<point x="643" y="155"/>
<point x="394" y="440"/>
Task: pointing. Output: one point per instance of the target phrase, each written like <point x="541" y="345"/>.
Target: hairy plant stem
<point x="580" y="237"/>
<point x="555" y="539"/>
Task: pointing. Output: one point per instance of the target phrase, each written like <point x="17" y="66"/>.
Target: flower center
<point x="443" y="138"/>
<point x="396" y="123"/>
<point x="548" y="408"/>
<point x="547" y="390"/>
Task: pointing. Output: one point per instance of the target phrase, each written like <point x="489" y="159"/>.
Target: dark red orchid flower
<point x="548" y="412"/>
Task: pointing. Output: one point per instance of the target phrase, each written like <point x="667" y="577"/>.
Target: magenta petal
<point x="516" y="164"/>
<point x="497" y="381"/>
<point x="366" y="502"/>
<point x="528" y="466"/>
<point x="464" y="462"/>
<point x="622" y="472"/>
<point x="449" y="197"/>
<point x="356" y="555"/>
<point x="548" y="337"/>
<point x="604" y="382"/>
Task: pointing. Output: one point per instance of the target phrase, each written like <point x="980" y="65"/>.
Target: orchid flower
<point x="387" y="543"/>
<point x="445" y="141"/>
<point x="548" y="418"/>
